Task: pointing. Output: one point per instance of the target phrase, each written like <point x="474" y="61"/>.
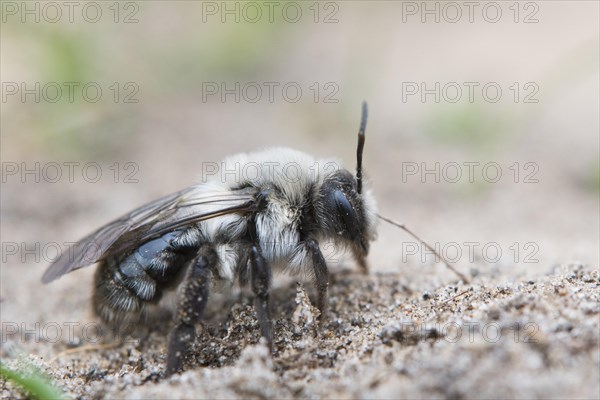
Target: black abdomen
<point x="124" y="284"/>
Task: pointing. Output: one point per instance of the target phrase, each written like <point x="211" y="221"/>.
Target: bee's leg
<point x="190" y="309"/>
<point x="260" y="276"/>
<point x="321" y="277"/>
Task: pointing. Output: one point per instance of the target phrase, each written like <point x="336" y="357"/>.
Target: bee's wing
<point x="188" y="206"/>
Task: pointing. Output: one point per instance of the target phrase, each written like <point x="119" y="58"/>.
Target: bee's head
<point x="346" y="213"/>
<point x="348" y="210"/>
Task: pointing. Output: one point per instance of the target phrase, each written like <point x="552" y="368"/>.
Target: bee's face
<point x="347" y="214"/>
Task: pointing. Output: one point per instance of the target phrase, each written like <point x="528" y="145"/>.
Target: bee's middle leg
<point x="260" y="276"/>
<point x="321" y="278"/>
<point x="190" y="308"/>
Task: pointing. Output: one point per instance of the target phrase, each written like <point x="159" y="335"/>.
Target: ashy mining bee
<point x="229" y="228"/>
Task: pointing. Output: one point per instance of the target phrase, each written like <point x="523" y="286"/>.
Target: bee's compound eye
<point x="346" y="213"/>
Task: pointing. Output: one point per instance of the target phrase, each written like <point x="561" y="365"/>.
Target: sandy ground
<point x="385" y="338"/>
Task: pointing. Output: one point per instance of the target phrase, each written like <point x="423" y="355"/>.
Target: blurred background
<point x="106" y="106"/>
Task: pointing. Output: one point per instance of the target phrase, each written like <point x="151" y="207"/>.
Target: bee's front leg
<point x="190" y="308"/>
<point x="260" y="276"/>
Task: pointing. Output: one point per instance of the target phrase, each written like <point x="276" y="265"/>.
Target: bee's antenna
<point x="446" y="262"/>
<point x="361" y="145"/>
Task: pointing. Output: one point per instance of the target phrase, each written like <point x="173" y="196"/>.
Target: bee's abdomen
<point x="124" y="284"/>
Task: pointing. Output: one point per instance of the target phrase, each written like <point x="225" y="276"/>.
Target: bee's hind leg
<point x="190" y="308"/>
<point x="260" y="279"/>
